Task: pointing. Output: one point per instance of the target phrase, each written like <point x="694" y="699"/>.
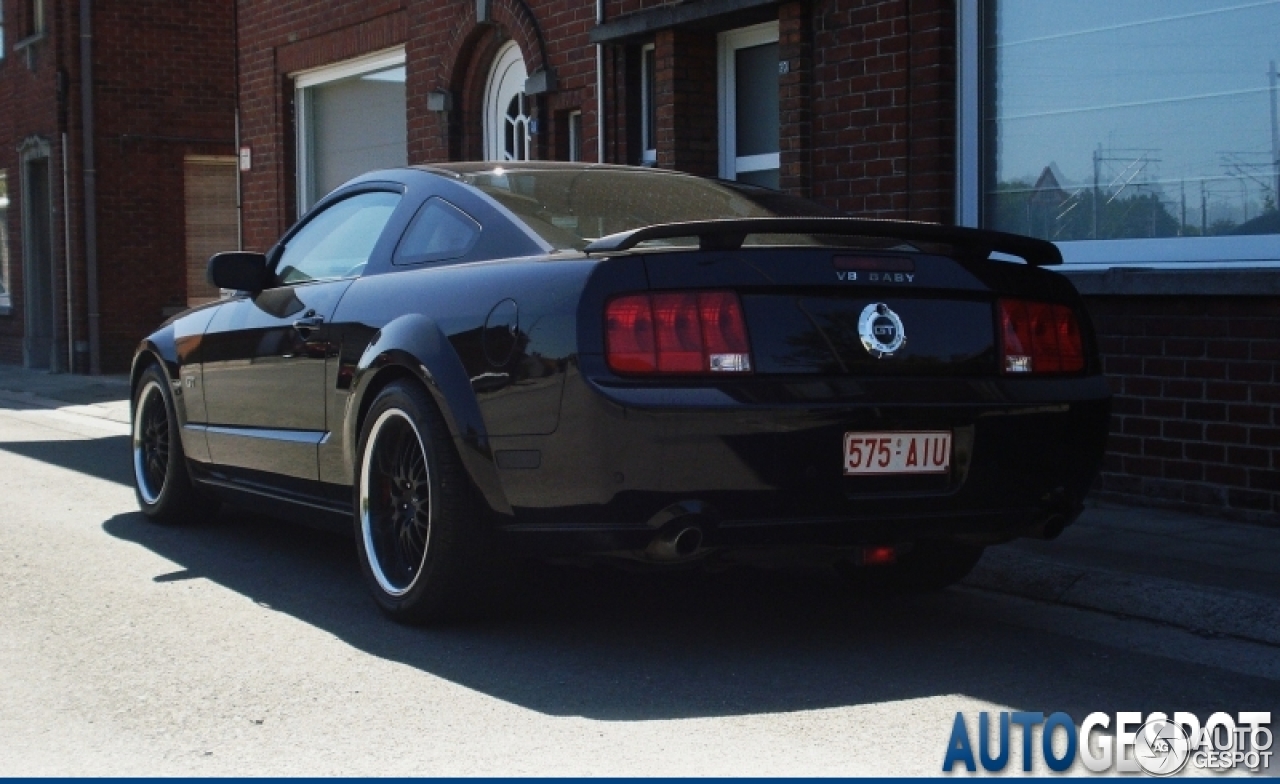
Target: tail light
<point x="688" y="332"/>
<point x="1037" y="337"/>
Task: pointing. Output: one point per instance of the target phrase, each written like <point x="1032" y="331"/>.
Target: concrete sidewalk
<point x="104" y="397"/>
<point x="1212" y="576"/>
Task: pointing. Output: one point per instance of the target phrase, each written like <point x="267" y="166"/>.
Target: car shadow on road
<point x="105" y="457"/>
<point x="618" y="646"/>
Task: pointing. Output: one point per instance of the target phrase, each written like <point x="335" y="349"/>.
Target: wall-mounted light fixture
<point x="439" y="101"/>
<point x="540" y="82"/>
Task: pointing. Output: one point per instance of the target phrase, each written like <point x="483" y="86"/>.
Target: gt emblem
<point x="881" y="330"/>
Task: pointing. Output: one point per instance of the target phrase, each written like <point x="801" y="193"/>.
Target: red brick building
<point x="979" y="112"/>
<point x="117" y="137"/>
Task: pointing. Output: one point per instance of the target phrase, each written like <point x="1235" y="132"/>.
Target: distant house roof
<point x="1048" y="188"/>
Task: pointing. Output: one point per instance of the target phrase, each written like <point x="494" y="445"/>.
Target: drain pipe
<point x="239" y="185"/>
<point x="90" y="189"/>
<point x="66" y="255"/>
<point x="599" y="87"/>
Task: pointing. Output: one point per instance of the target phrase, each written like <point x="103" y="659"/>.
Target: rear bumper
<point x="760" y="464"/>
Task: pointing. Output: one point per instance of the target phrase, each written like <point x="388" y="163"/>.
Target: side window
<point x="337" y="242"/>
<point x="439" y="231"/>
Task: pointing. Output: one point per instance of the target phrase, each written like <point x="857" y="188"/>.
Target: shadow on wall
<point x="625" y="647"/>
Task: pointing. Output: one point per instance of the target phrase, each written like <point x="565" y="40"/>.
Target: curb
<point x="1200" y="609"/>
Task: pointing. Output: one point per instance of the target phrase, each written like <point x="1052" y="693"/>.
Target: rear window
<point x="570" y="208"/>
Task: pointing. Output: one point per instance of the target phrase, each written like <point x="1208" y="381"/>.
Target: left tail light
<point x="677" y="332"/>
<point x="1038" y="337"/>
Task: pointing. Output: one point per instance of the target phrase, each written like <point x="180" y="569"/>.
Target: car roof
<point x="478" y="167"/>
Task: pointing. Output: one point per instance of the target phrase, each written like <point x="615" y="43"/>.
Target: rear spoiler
<point x="730" y="234"/>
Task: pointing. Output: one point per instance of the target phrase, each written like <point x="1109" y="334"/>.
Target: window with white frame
<point x="648" y="107"/>
<point x="5" y="302"/>
<point x="748" y="98"/>
<point x="1142" y="131"/>
<point x="350" y="119"/>
<point x="507" y="109"/>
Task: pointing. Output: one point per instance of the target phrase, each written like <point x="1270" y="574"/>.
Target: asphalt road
<point x="248" y="646"/>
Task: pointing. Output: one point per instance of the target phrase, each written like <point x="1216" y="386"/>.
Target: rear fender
<point x="415" y="345"/>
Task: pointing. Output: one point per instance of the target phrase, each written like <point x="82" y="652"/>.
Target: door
<point x="506" y="109"/>
<point x="38" y="271"/>
<point x="209" y="200"/>
<point x="264" y="355"/>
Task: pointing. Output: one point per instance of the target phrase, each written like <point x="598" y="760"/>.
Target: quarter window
<point x="1143" y="123"/>
<point x="337" y="243"/>
<point x="749" y="117"/>
<point x="438" y="232"/>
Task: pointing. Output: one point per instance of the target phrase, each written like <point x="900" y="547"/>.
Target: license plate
<point x="897" y="452"/>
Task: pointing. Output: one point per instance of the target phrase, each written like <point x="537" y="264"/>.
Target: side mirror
<point x="239" y="270"/>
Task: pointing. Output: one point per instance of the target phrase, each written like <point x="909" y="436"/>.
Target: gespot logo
<point x="1156" y="745"/>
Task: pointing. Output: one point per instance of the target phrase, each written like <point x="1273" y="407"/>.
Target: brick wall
<point x="29" y="109"/>
<point x="883" y="103"/>
<point x="164" y="77"/>
<point x="685" y="89"/>
<point x="1196" y="415"/>
<point x="164" y="87"/>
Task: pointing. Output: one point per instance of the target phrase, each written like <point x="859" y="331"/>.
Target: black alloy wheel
<point x="420" y="544"/>
<point x="151" y="442"/>
<point x="160" y="479"/>
<point x="395" y="502"/>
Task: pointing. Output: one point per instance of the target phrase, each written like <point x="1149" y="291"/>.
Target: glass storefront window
<point x="1143" y="119"/>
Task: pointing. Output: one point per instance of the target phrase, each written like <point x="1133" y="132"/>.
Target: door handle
<point x="305" y="325"/>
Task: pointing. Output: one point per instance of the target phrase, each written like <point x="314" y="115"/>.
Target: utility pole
<point x="1097" y="173"/>
<point x="1275" y="137"/>
<point x="1204" y="212"/>
<point x="1182" y="226"/>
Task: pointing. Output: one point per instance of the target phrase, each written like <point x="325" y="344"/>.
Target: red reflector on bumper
<point x="882" y="555"/>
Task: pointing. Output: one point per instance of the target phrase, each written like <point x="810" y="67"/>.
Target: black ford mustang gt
<point x="544" y="359"/>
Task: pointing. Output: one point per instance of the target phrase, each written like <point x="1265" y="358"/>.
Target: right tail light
<point x="1038" y="337"/>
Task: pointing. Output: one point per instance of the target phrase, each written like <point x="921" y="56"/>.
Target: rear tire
<point x="927" y="567"/>
<point x="160" y="479"/>
<point x="420" y="547"/>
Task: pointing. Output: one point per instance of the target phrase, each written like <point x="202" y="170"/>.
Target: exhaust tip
<point x="688" y="541"/>
<point x="675" y="544"/>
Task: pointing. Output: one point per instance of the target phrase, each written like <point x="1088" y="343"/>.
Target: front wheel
<point x="419" y="546"/>
<point x="160" y="479"/>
